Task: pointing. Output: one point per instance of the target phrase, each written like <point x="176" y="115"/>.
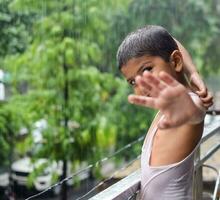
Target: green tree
<point x="194" y="23"/>
<point x="13" y="118"/>
<point x="84" y="107"/>
<point x="15" y="35"/>
<point x="15" y="29"/>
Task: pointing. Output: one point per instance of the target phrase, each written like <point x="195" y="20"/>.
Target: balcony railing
<point x="128" y="187"/>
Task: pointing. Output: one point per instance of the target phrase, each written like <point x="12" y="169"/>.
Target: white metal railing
<point x="210" y="130"/>
<point x="128" y="187"/>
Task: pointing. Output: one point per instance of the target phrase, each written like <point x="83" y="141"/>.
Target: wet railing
<point x="128" y="187"/>
<point x="211" y="129"/>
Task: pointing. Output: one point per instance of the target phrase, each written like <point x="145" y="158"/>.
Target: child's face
<point x="153" y="64"/>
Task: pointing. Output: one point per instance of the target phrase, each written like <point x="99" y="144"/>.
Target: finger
<point x="146" y="89"/>
<point x="140" y="81"/>
<point x="207" y="99"/>
<point x="149" y="91"/>
<point x="207" y="106"/>
<point x="168" y="79"/>
<point x="156" y="85"/>
<point x="199" y="87"/>
<point x="142" y="101"/>
<point x="207" y="102"/>
<point x="153" y="81"/>
<point x="202" y="92"/>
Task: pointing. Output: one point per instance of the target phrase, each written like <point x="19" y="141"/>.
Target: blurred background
<point x="63" y="102"/>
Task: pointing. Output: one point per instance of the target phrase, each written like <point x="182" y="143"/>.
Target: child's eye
<point x="132" y="82"/>
<point x="147" y="69"/>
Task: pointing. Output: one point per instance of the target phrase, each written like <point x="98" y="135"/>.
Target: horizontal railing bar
<point x="130" y="185"/>
<point x="109" y="178"/>
<point x="213" y="112"/>
<point x="207" y="156"/>
<point x="210" y="131"/>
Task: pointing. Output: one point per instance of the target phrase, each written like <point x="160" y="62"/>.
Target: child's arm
<point x="194" y="77"/>
<point x="170" y="97"/>
<point x="190" y="68"/>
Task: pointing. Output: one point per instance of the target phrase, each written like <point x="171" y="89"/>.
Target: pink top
<point x="169" y="182"/>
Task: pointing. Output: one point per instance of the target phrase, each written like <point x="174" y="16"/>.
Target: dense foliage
<point x="194" y="23"/>
<point x="67" y="52"/>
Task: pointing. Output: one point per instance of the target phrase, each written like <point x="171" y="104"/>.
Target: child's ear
<point x="176" y="61"/>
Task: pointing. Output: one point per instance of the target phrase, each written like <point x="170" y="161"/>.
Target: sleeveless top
<point x="168" y="182"/>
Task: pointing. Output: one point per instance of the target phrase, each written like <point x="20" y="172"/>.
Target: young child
<point x="150" y="60"/>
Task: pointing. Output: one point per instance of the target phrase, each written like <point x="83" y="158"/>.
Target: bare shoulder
<point x="173" y="145"/>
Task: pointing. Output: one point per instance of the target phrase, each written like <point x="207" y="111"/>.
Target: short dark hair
<point x="150" y="40"/>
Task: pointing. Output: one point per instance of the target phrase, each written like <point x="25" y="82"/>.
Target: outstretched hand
<point x="167" y="95"/>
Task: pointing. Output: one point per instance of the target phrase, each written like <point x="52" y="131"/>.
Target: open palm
<point x="167" y="95"/>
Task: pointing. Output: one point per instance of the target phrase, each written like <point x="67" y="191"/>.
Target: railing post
<point x="197" y="179"/>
